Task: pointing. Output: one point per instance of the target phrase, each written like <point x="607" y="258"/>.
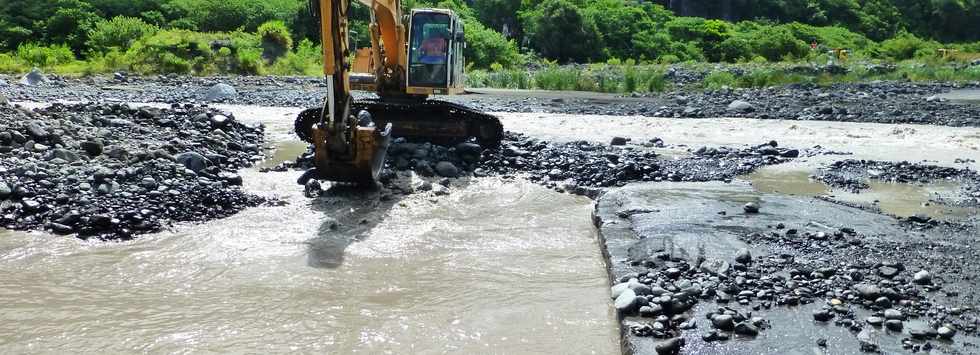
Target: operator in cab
<point x="433" y="56"/>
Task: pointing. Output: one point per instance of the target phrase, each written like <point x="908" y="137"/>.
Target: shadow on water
<point x="351" y="213"/>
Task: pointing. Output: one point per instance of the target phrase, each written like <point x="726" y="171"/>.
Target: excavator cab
<point x="435" y="54"/>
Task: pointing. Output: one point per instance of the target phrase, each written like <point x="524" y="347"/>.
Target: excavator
<point x="410" y="58"/>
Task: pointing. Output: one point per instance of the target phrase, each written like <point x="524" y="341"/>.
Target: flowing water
<point x="494" y="267"/>
<point x="892" y="198"/>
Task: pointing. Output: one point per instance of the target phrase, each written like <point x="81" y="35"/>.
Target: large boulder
<point x="741" y="106"/>
<point x="34" y="78"/>
<point x="220" y="92"/>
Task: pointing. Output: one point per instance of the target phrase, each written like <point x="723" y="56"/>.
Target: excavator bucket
<point x="362" y="165"/>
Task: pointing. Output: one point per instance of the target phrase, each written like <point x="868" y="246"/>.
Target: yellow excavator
<point x="410" y="58"/>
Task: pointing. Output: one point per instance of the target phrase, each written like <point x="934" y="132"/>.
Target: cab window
<point x="429" y="49"/>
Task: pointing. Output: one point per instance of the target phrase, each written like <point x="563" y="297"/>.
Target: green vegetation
<point x="513" y="43"/>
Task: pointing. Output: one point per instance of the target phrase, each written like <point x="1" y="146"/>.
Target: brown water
<point x="494" y="267"/>
<point x="892" y="198"/>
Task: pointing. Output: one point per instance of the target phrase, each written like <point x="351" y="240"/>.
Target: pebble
<point x="723" y="322"/>
<point x="741" y="106"/>
<point x="868" y="291"/>
<point x="92" y="147"/>
<point x="946" y="332"/>
<point x="446" y="169"/>
<point x="746" y="329"/>
<point x="893" y="325"/>
<point x="626" y="301"/>
<point x="822" y="315"/>
<point x="892" y="313"/>
<point x="751" y="207"/>
<point x="670" y="347"/>
<point x="922" y="277"/>
<point x="743" y="256"/>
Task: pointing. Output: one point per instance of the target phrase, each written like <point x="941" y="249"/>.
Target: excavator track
<point x="434" y="121"/>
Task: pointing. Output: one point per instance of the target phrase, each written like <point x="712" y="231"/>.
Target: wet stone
<point x="868" y="291"/>
<point x="723" y="322"/>
<point x="626" y="301"/>
<point x="893" y="325"/>
<point x="670" y="347"/>
<point x="922" y="277"/>
<point x="5" y="190"/>
<point x="822" y="315"/>
<point x="746" y="329"/>
<point x="946" y="332"/>
<point x="92" y="148"/>
<point x="892" y="313"/>
<point x="743" y="256"/>
<point x="875" y="321"/>
<point x="751" y="208"/>
<point x="446" y="169"/>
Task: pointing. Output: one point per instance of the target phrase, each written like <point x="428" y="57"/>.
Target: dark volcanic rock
<point x="133" y="188"/>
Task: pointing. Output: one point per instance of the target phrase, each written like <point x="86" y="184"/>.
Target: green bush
<point x="187" y="50"/>
<point x="250" y="61"/>
<point x="306" y="60"/>
<point x="10" y="64"/>
<point x="45" y="56"/>
<point x="232" y="15"/>
<point x="119" y="32"/>
<point x="828" y="36"/>
<point x="775" y="43"/>
<point x="560" y="31"/>
<point x="557" y="78"/>
<point x="171" y="63"/>
<point x="70" y="24"/>
<point x="906" y="46"/>
<point x="735" y="49"/>
<point x="485" y="47"/>
<point x="718" y="79"/>
<point x="276" y="40"/>
<point x="653" y="79"/>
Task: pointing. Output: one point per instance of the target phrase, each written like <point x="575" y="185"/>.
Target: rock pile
<point x="113" y="171"/>
<point x="577" y="167"/>
<point x="583" y="165"/>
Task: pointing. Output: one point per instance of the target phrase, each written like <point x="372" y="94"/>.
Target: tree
<point x="618" y="24"/>
<point x="558" y="30"/>
<point x="500" y="14"/>
<point x="70" y="24"/>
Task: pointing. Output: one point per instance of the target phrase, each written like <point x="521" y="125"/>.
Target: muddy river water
<point x="494" y="267"/>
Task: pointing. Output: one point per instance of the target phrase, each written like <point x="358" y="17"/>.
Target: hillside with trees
<point x="279" y="37"/>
